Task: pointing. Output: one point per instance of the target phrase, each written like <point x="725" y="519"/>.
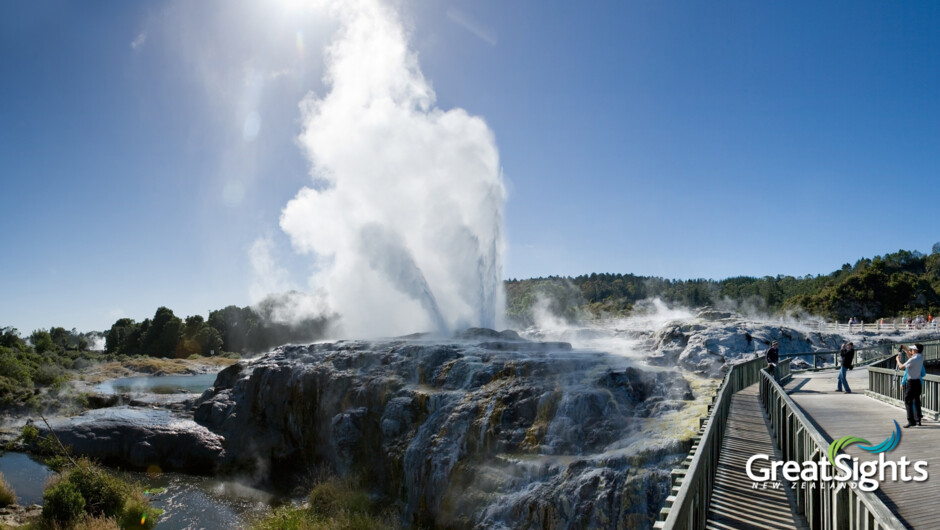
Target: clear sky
<point x="145" y="146"/>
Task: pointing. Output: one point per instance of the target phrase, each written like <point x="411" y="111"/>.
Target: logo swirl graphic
<point x="890" y="443"/>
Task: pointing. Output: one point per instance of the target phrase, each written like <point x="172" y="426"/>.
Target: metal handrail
<point x="689" y="508"/>
<point x="824" y="508"/>
<point x="884" y="382"/>
<point x="869" y="355"/>
<point x="892" y="325"/>
<point x="798" y="440"/>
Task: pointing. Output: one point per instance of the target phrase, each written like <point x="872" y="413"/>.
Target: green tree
<point x="10" y="338"/>
<point x="60" y="337"/>
<point x="162" y="335"/>
<point x="42" y="341"/>
<point x="122" y="337"/>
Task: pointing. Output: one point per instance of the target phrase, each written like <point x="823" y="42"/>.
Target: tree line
<point x="904" y="283"/>
<point x="242" y="330"/>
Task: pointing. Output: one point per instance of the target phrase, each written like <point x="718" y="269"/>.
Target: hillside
<point x="904" y="283"/>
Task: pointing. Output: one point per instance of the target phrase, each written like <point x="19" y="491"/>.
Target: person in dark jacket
<point x="848" y="360"/>
<point x="773" y="357"/>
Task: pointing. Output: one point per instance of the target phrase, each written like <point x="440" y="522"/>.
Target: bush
<point x="299" y="518"/>
<point x="63" y="504"/>
<point x="139" y="515"/>
<point x="47" y="374"/>
<point x="7" y="496"/>
<point x="29" y="434"/>
<point x="104" y="493"/>
<point x="14" y="368"/>
<point x="337" y="495"/>
<point x="287" y="518"/>
<point x="84" y="490"/>
<point x="335" y="504"/>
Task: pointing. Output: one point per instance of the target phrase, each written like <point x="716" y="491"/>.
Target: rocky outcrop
<point x="140" y="437"/>
<point x="487" y="430"/>
<point x="708" y="345"/>
<point x="14" y="515"/>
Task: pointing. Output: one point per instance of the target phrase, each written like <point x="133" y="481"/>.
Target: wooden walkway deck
<point x="836" y="415"/>
<point x="734" y="504"/>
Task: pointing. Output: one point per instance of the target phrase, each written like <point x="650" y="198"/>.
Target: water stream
<point x="188" y="501"/>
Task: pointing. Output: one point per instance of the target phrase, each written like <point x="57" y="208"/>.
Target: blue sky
<point x="678" y="139"/>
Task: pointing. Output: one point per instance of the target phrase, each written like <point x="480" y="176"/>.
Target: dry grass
<point x="7" y="495"/>
<point x="98" y="523"/>
<point x="155" y="365"/>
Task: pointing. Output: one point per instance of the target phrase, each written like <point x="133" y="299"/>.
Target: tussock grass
<point x="7" y="495"/>
<point x="334" y="504"/>
<point x="156" y="365"/>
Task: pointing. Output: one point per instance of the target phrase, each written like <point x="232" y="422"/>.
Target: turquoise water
<point x="158" y="384"/>
<point x="188" y="501"/>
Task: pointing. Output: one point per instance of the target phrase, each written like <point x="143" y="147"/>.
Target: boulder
<point x="139" y="438"/>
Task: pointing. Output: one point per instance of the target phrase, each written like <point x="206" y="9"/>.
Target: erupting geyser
<point x="405" y="211"/>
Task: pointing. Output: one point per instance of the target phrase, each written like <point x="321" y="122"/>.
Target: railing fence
<point x="692" y="485"/>
<point x="825" y="508"/>
<point x="884" y="381"/>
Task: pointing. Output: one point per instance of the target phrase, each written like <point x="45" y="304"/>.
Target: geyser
<point x="405" y="211"/>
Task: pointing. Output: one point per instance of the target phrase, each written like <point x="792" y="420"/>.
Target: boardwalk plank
<point x="837" y="415"/>
<point x="734" y="503"/>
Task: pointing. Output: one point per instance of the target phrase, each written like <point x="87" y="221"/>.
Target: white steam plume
<point x="405" y="214"/>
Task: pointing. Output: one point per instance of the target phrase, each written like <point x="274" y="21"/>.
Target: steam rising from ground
<point x="619" y="336"/>
<point x="405" y="212"/>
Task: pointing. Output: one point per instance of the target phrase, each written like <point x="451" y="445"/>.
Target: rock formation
<point x="487" y="429"/>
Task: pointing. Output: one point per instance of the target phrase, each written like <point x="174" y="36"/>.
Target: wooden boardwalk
<point x="837" y="415"/>
<point x="734" y="503"/>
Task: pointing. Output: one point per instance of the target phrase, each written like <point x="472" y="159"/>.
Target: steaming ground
<point x="699" y="342"/>
<point x="579" y="428"/>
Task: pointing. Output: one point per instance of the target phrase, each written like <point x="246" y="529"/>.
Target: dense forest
<point x="241" y="330"/>
<point x="903" y="283"/>
<point x="43" y="359"/>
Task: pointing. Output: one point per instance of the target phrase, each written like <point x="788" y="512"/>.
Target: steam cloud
<point x="405" y="210"/>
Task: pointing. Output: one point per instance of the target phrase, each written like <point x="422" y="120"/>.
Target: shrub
<point x="14" y="368"/>
<point x="47" y="374"/>
<point x="139" y="515"/>
<point x="287" y="518"/>
<point x="63" y="504"/>
<point x="29" y="434"/>
<point x="299" y="518"/>
<point x="335" y="504"/>
<point x="7" y="496"/>
<point x="104" y="493"/>
<point x="337" y="495"/>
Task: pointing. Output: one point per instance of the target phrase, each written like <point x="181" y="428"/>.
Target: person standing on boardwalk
<point x="773" y="357"/>
<point x="914" y="372"/>
<point x="847" y="355"/>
